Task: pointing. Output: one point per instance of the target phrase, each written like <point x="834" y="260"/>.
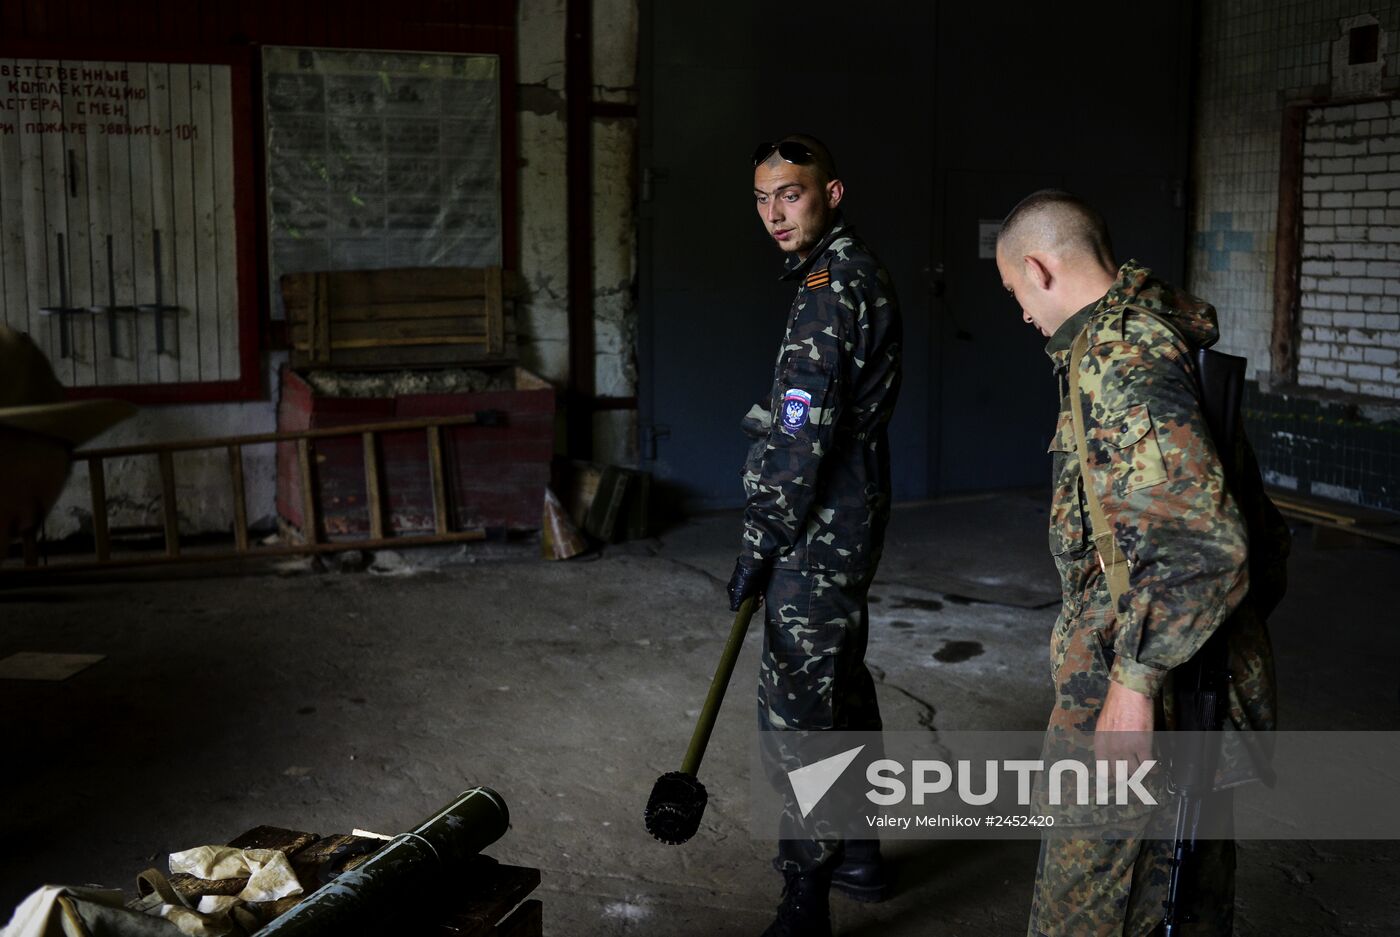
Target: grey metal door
<point x="718" y="78"/>
<point x="1031" y="95"/>
<point x="941" y="116"/>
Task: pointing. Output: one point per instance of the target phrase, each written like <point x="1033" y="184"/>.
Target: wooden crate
<point x="408" y="317"/>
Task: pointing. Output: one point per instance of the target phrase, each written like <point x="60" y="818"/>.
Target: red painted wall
<point x="210" y="30"/>
<point x="496" y="474"/>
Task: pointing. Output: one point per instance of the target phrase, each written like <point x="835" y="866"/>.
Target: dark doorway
<point x="941" y="117"/>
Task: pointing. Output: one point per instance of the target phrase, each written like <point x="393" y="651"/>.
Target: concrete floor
<point x="328" y="700"/>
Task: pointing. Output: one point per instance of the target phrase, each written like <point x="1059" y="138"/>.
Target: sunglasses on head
<point x="789" y="150"/>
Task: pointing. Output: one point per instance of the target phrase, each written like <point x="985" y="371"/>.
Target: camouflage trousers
<point x="812" y="675"/>
<point x="1113" y="885"/>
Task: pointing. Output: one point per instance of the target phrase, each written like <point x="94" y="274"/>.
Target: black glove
<point x="750" y="578"/>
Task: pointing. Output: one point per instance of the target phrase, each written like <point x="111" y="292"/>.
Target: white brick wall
<point x="1350" y="277"/>
<point x="1254" y="56"/>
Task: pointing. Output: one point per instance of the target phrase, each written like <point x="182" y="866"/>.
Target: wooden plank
<point x="321" y="321"/>
<point x="94" y="190"/>
<point x="214" y="556"/>
<point x="405" y="284"/>
<point x="240" y="500"/>
<point x="1311" y="512"/>
<point x="467" y="309"/>
<point x="601" y="517"/>
<point x="141" y="249"/>
<point x="370" y="343"/>
<point x="494" y="889"/>
<point x="439" y="475"/>
<point x="35" y="232"/>
<point x="97" y="482"/>
<point x="15" y="308"/>
<point x="253" y="439"/>
<point x="317" y="852"/>
<point x="391" y="328"/>
<point x="197" y="145"/>
<point x="292" y="842"/>
<point x="308" y="491"/>
<point x="373" y="487"/>
<point x="78" y="240"/>
<point x="160" y="78"/>
<point x="495" y="319"/>
<point x="408" y="284"/>
<point x="225" y="222"/>
<point x="424" y="356"/>
<point x="54" y="221"/>
<point x="184" y="234"/>
<point x="123" y="368"/>
<point x="169" y="507"/>
<point x="525" y="921"/>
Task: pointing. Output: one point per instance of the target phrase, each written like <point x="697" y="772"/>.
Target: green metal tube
<point x="700" y="738"/>
<point x="398" y="878"/>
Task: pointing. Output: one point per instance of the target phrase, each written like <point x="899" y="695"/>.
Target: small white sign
<point x="987" y="239"/>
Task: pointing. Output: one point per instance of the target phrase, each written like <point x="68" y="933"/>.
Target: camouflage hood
<point x="1193" y="318"/>
<point x="1136" y="286"/>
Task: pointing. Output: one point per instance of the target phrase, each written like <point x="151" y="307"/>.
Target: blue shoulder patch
<point x="797" y="404"/>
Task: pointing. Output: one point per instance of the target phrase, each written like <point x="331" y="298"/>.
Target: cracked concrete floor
<point x="327" y="701"/>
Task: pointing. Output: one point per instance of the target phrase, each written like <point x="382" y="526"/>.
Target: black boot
<point x="806" y="908"/>
<point x="861" y="872"/>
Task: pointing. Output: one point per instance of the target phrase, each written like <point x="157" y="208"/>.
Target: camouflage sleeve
<point x="1162" y="488"/>
<point x="807" y="404"/>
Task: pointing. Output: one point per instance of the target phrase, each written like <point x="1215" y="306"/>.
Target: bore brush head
<point x="674" y="809"/>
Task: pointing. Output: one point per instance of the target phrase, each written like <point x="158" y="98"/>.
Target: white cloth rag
<point x="270" y="875"/>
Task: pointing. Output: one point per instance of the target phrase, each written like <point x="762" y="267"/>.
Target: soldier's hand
<point x="1124" y="730"/>
<point x="750" y="579"/>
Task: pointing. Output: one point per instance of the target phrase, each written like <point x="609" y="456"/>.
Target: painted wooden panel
<point x="118" y="233"/>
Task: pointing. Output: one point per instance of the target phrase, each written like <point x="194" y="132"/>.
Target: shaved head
<point x="1054" y="257"/>
<point x="822" y="160"/>
<point x="1055" y="222"/>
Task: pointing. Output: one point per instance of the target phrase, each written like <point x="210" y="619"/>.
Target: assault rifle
<point x="1202" y="684"/>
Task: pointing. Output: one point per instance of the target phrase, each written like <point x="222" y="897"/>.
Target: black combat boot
<point x="861" y="872"/>
<point x="806" y="908"/>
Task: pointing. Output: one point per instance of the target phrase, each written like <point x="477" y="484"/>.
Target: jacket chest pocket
<point x="1134" y="457"/>
<point x="1066" y="513"/>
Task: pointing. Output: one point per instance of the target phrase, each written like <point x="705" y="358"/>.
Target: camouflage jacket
<point x="1162" y="487"/>
<point x="817" y="478"/>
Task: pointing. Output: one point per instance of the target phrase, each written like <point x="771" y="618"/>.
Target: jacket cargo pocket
<point x="1135" y="458"/>
<point x="802" y="399"/>
<point x="1066" y="515"/>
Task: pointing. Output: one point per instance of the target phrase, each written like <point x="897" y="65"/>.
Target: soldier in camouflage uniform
<point x="1161" y="485"/>
<point x="817" y="481"/>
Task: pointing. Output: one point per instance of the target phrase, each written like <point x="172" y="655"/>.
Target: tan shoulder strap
<point x="1112" y="560"/>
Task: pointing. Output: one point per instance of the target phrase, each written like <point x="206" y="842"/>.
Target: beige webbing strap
<point x="152" y="886"/>
<point x="1112" y="560"/>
